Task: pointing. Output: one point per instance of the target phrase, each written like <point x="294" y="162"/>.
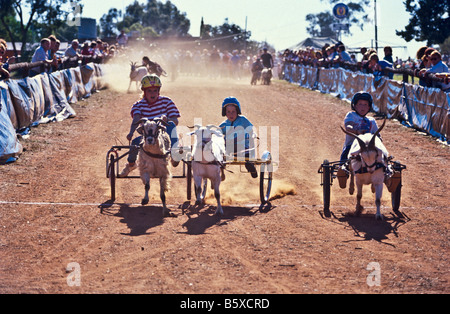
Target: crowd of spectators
<point x="53" y="58"/>
<point x="211" y="62"/>
<point x="90" y="51"/>
<point x="215" y="63"/>
<point x="335" y="56"/>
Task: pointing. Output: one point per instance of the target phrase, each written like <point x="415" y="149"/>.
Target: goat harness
<point x="159" y="156"/>
<point x="364" y="169"/>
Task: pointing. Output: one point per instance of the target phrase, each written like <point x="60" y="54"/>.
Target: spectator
<point x="72" y="51"/>
<point x="3" y="48"/>
<point x="95" y="51"/>
<point x="377" y="66"/>
<point x="122" y="38"/>
<point x="363" y="51"/>
<point x="41" y="54"/>
<point x="3" y="65"/>
<point x="331" y="53"/>
<point x="388" y="54"/>
<point x="53" y="46"/>
<point x="86" y="53"/>
<point x="3" y="57"/>
<point x="420" y="55"/>
<point x="343" y="55"/>
<point x="436" y="66"/>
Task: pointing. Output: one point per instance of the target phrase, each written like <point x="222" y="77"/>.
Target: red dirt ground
<point x="51" y="213"/>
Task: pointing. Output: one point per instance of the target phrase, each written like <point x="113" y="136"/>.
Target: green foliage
<point x="226" y="36"/>
<point x="430" y="21"/>
<point x="30" y="20"/>
<point x="155" y="17"/>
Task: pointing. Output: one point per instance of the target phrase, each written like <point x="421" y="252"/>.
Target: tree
<point x="430" y="21"/>
<point x="107" y="22"/>
<point x="43" y="18"/>
<point x="226" y="36"/>
<point x="164" y="18"/>
<point x="320" y="23"/>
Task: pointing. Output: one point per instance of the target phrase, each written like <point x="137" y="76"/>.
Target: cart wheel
<point x="396" y="198"/>
<point x="189" y="181"/>
<point x="112" y="177"/>
<point x="326" y="184"/>
<point x="265" y="178"/>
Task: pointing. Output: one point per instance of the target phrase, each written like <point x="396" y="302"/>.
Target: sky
<point x="281" y="23"/>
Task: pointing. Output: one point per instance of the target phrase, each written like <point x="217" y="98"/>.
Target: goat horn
<point x="210" y="126"/>
<point x="362" y="144"/>
<point x="372" y="141"/>
<point x="161" y="121"/>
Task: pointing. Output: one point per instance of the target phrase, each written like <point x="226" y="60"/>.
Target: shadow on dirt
<point x="367" y="228"/>
<point x="200" y="219"/>
<point x="139" y="219"/>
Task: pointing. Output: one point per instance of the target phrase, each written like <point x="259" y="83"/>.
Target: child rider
<point x="356" y="122"/>
<point x="151" y="106"/>
<point x="238" y="132"/>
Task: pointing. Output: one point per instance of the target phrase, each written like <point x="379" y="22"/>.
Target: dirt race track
<point x="52" y="214"/>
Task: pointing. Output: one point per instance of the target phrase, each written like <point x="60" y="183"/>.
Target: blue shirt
<point x="240" y="130"/>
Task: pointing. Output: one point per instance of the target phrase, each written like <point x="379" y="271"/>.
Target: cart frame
<point x="114" y="156"/>
<point x="328" y="172"/>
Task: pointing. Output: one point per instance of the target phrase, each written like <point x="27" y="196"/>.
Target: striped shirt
<point x="163" y="106"/>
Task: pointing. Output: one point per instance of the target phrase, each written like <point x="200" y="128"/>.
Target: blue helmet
<point x="231" y="101"/>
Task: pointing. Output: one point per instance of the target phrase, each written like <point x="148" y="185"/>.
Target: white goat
<point x="368" y="158"/>
<point x="136" y="74"/>
<point x="207" y="163"/>
<point x="154" y="158"/>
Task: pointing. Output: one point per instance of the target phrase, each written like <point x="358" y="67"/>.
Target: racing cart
<point x="328" y="171"/>
<point x="115" y="155"/>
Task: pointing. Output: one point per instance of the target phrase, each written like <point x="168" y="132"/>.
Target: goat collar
<point x="378" y="165"/>
<point x="159" y="156"/>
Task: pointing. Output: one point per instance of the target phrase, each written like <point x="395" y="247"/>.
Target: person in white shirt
<point x="41" y="54"/>
<point x="72" y="50"/>
<point x="122" y="39"/>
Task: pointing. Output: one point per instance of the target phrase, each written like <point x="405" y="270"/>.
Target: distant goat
<point x="136" y="74"/>
<point x="266" y="75"/>
<point x="368" y="157"/>
<point x="207" y="163"/>
<point x="154" y="158"/>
